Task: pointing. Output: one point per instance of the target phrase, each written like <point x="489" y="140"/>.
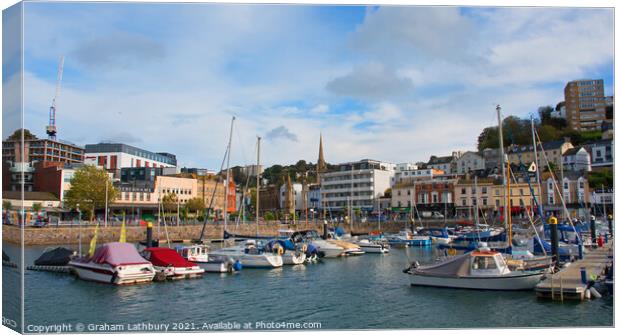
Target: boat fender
<point x="114" y="276"/>
<point x="237" y="265"/>
<point x="587" y="294"/>
<point x="304" y="248"/>
<point x="595" y="293"/>
<point x="451" y="251"/>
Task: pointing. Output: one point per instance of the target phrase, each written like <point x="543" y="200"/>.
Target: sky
<point x="392" y="83"/>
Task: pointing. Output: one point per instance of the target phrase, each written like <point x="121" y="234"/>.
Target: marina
<point x="322" y="292"/>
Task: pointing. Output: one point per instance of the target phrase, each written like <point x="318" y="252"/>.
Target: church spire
<point x="320" y="165"/>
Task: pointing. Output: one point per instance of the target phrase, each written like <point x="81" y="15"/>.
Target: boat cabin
<point x="488" y="263"/>
<point x="194" y="252"/>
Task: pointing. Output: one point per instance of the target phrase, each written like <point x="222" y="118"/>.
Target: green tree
<point x="17" y="135"/>
<point x="268" y="216"/>
<point x="603" y="178"/>
<point x="195" y="205"/>
<point x="7" y="205"/>
<point x="88" y="190"/>
<point x="36" y="207"/>
<point x="170" y="202"/>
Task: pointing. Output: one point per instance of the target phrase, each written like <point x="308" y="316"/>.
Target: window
<point x="484" y="201"/>
<point x="484" y="190"/>
<point x="484" y="263"/>
<point x="464" y="201"/>
<point x="463" y="190"/>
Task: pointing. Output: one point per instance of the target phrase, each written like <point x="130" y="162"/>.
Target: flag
<point x="93" y="243"/>
<point x="123" y="237"/>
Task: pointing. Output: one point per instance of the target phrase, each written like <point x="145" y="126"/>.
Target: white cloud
<point x="370" y="81"/>
<point x="320" y="109"/>
<point x="411" y="82"/>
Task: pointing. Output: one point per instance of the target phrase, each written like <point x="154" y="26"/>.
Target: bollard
<point x="149" y="235"/>
<point x="584" y="277"/>
<point x="609" y="224"/>
<point x="606" y="238"/>
<point x="593" y="231"/>
<point x="553" y="227"/>
<point x="325" y="229"/>
<point x="580" y="248"/>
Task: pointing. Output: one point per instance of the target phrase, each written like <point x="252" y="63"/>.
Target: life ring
<point x="280" y="250"/>
<point x="451" y="251"/>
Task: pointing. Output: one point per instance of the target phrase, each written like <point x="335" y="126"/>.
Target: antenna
<point x="51" y="127"/>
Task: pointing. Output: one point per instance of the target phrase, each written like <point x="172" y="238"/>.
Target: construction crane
<point x="51" y="127"/>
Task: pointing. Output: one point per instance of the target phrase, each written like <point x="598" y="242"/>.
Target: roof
<point x="440" y="160"/>
<point x="572" y="151"/>
<point x="17" y="195"/>
<point x="551" y="145"/>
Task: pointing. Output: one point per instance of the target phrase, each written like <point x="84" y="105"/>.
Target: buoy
<point x="587" y="294"/>
<point x="594" y="292"/>
<point x="237" y="265"/>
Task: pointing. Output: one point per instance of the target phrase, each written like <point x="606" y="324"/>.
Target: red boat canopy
<point x="166" y="257"/>
<point x="118" y="253"/>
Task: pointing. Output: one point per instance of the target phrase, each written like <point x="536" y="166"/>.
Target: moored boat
<point x="374" y="247"/>
<point x="315" y="242"/>
<point x="482" y="269"/>
<point x="115" y="263"/>
<point x="251" y="256"/>
<point x="173" y="265"/>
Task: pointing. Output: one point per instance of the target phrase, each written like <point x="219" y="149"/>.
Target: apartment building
<point x="585" y="104"/>
<point x="356" y="184"/>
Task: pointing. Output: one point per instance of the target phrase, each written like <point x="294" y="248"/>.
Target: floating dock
<point x="567" y="283"/>
<point x="49" y="268"/>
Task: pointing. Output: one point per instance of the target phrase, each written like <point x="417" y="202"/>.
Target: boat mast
<point x="257" y="180"/>
<point x="538" y="179"/>
<point x="502" y="162"/>
<point x="226" y="186"/>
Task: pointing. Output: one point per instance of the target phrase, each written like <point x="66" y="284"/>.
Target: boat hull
<point x="176" y="273"/>
<point x="293" y="258"/>
<point x="374" y="249"/>
<point x="252" y="260"/>
<point x="120" y="275"/>
<point x="518" y="282"/>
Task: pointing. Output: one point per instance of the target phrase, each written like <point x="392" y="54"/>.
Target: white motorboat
<point x="199" y="253"/>
<point x="350" y="249"/>
<point x="250" y="256"/>
<point x="482" y="269"/>
<point x="325" y="248"/>
<point x="114" y="263"/>
<point x="373" y="247"/>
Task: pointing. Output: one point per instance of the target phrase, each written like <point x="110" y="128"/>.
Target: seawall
<point x="71" y="235"/>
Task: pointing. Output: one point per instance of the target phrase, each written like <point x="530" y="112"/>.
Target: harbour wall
<point x="71" y="235"/>
<point x="59" y="235"/>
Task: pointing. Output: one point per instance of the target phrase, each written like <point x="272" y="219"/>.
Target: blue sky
<point x="392" y="83"/>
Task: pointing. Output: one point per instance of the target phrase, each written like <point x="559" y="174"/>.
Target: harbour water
<point x="358" y="292"/>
